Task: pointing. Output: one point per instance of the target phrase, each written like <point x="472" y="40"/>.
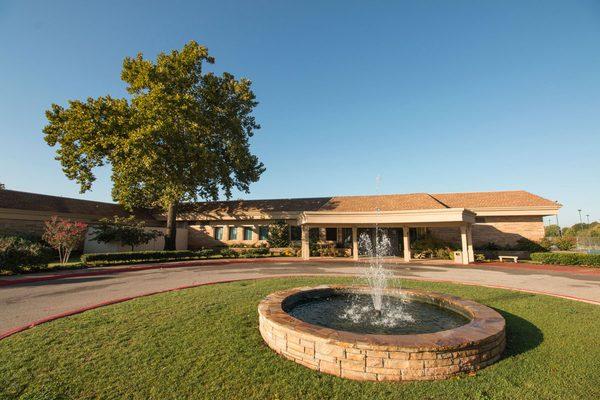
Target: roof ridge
<point x="439" y="201"/>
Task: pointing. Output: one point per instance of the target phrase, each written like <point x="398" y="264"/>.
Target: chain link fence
<point x="588" y="244"/>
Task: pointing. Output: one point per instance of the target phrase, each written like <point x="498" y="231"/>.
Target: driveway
<point x="25" y="303"/>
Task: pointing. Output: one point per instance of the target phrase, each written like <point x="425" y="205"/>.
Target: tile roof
<point x="512" y="198"/>
<point x="393" y="202"/>
<point x="390" y="202"/>
<point x="13" y="199"/>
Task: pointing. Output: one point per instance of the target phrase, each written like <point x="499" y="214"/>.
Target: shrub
<point x="64" y="235"/>
<point x="125" y="231"/>
<point x="290" y="252"/>
<point x="592" y="260"/>
<point x="18" y="251"/>
<point x="552" y="231"/>
<point x="255" y="252"/>
<point x="163" y="255"/>
<point x="139" y="256"/>
<point x="205" y="253"/>
<point x="428" y="247"/>
<point x="565" y="243"/>
<point x="228" y="253"/>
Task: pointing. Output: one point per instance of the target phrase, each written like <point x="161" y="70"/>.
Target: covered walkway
<point x="428" y="218"/>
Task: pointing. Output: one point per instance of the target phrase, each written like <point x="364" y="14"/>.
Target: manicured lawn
<point x="204" y="343"/>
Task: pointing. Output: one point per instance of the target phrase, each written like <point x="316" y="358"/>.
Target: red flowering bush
<point x="64" y="235"/>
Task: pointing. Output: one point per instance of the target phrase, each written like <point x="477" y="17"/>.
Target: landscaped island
<point x="204" y="343"/>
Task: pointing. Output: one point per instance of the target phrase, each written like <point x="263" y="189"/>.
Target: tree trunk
<point x="171" y="236"/>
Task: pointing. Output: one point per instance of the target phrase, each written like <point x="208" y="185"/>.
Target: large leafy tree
<point x="181" y="135"/>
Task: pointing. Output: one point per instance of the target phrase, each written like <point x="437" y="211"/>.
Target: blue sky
<point x="433" y="96"/>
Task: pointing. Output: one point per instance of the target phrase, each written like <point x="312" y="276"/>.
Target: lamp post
<point x="557" y="223"/>
<point x="580" y="220"/>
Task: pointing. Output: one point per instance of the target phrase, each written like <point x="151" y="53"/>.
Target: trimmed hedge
<point x="140" y="255"/>
<point x="172" y="255"/>
<point x="592" y="260"/>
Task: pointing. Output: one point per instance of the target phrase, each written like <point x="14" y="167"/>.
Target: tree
<point x="183" y="135"/>
<point x="64" y="235"/>
<point x="551" y="231"/>
<point x="2" y="187"/>
<point x="125" y="231"/>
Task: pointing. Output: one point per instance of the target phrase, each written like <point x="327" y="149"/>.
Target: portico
<point x="404" y="219"/>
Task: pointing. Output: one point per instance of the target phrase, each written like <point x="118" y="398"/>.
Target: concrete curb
<point x="22" y="328"/>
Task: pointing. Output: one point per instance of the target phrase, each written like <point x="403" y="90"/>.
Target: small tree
<point x="279" y="235"/>
<point x="125" y="231"/>
<point x="552" y="231"/>
<point x="2" y="187"/>
<point x="64" y="235"/>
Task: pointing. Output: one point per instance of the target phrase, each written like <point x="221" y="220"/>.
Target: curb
<point x="22" y="328"/>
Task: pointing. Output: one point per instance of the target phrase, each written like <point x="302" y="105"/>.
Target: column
<point x="305" y="246"/>
<point x="406" y="243"/>
<point x="355" y="242"/>
<point x="465" y="246"/>
<point x="470" y="243"/>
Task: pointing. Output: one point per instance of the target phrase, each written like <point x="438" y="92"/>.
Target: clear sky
<point x="433" y="96"/>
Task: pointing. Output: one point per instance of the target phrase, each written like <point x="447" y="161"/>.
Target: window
<point x="232" y="233"/>
<point x="247" y="233"/>
<point x="263" y="232"/>
<point x="219" y="232"/>
<point x="331" y="234"/>
<point x="295" y="233"/>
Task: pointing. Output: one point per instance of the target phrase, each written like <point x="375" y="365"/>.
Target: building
<point x="467" y="219"/>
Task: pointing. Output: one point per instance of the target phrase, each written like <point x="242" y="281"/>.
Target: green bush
<point x="205" y="253"/>
<point x="228" y="253"/>
<point x="565" y="243"/>
<point x="140" y="256"/>
<point x="592" y="260"/>
<point x="17" y="252"/>
<point x="255" y="252"/>
<point x="429" y="246"/>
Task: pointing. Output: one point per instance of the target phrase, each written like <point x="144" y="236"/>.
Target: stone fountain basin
<point x="359" y="356"/>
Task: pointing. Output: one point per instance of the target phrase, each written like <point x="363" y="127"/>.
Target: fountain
<point x="376" y="332"/>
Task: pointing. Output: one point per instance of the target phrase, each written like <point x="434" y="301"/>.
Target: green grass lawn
<point x="204" y="343"/>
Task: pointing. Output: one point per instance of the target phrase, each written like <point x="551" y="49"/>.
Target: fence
<point x="588" y="244"/>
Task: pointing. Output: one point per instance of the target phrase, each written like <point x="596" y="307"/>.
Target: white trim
<point x="428" y="216"/>
<point x="515" y="211"/>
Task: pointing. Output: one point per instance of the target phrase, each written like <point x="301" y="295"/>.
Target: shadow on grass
<point x="521" y="335"/>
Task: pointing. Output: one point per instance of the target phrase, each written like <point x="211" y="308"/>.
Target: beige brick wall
<point x="503" y="231"/>
<point x="203" y="235"/>
<point x="21" y="226"/>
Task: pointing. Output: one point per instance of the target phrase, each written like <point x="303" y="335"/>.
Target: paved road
<point x="28" y="302"/>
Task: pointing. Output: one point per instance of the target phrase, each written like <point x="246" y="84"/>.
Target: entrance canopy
<point x="405" y="219"/>
<point x="414" y="218"/>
